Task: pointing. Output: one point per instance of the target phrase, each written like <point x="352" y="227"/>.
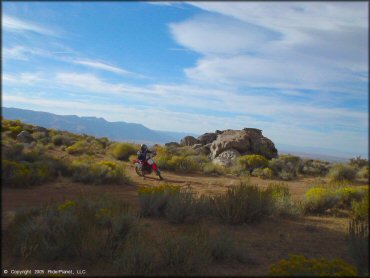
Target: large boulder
<point x="246" y="141"/>
<point x="207" y="138"/>
<point x="188" y="141"/>
<point x="226" y="158"/>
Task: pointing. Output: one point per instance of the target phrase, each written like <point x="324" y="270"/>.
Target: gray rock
<point x="226" y="158"/>
<point x="246" y="141"/>
<point x="196" y="146"/>
<point x="24" y="137"/>
<point x="188" y="141"/>
<point x="207" y="138"/>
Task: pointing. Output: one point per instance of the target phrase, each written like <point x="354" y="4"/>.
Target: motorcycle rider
<point x="142" y="156"/>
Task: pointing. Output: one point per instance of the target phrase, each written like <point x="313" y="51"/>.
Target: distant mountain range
<point x="131" y="132"/>
<point x="98" y="127"/>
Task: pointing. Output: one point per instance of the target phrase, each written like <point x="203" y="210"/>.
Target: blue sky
<point x="296" y="70"/>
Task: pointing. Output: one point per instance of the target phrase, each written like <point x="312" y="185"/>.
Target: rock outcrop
<point x="226" y="158"/>
<point x="188" y="141"/>
<point x="224" y="146"/>
<point x="207" y="138"/>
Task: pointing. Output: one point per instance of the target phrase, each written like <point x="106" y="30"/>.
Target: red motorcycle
<point x="147" y="167"/>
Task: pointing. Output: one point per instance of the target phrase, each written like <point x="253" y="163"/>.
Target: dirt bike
<point x="144" y="168"/>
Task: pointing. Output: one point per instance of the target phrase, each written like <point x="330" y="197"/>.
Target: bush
<point x="224" y="248"/>
<point x="104" y="172"/>
<point x="213" y="169"/>
<point x="283" y="203"/>
<point x="286" y="167"/>
<point x="363" y="173"/>
<point x="183" y="164"/>
<point x="87" y="229"/>
<point x="358" y="236"/>
<point x="315" y="167"/>
<point x="319" y="199"/>
<point x="181" y="207"/>
<point x="358" y="162"/>
<point x="341" y="172"/>
<point x="122" y="151"/>
<point x="298" y="265"/>
<point x="252" y="161"/>
<point x="137" y="258"/>
<point x="154" y="199"/>
<point x="59" y="140"/>
<point x="184" y="254"/>
<point x="85" y="147"/>
<point x="244" y="203"/>
<point x="360" y="209"/>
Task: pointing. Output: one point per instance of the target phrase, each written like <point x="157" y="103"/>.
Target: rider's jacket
<point x="142" y="154"/>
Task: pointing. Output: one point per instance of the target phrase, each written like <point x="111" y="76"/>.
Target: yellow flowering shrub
<point x="320" y="198"/>
<point x="66" y="205"/>
<point x="298" y="265"/>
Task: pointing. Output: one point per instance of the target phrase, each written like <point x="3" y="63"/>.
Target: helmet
<point x="144" y="147"/>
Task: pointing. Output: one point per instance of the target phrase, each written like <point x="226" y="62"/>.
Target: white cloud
<point x="309" y="45"/>
<point x="22" y="78"/>
<point x="102" y="66"/>
<point x="13" y="24"/>
<point x="205" y="34"/>
<point x="23" y="53"/>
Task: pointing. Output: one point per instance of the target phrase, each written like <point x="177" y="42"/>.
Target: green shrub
<point x="122" y="151"/>
<point x="213" y="169"/>
<point x="358" y="162"/>
<point x="341" y="172"/>
<point x="184" y="254"/>
<point x="137" y="258"/>
<point x="363" y="173"/>
<point x="85" y="147"/>
<point x="286" y="167"/>
<point x="15" y="130"/>
<point x="87" y="229"/>
<point x="360" y="209"/>
<point x="298" y="265"/>
<point x="15" y="174"/>
<point x="183" y="164"/>
<point x="59" y="140"/>
<point x="181" y="207"/>
<point x="244" y="203"/>
<point x="252" y="161"/>
<point x="224" y="248"/>
<point x="315" y="167"/>
<point x="12" y="151"/>
<point x="154" y="199"/>
<point x="104" y="172"/>
<point x="358" y="236"/>
<point x="282" y="200"/>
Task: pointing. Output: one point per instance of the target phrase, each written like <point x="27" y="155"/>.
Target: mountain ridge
<point x="99" y="127"/>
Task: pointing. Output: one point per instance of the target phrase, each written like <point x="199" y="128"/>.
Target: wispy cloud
<point x="19" y="52"/>
<point x="13" y="24"/>
<point x="102" y="66"/>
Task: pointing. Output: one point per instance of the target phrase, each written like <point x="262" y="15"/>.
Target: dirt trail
<point x="63" y="189"/>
